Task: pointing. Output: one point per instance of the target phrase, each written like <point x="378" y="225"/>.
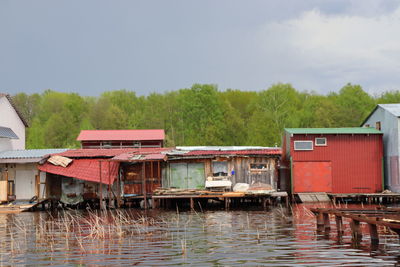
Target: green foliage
<point x="200" y="115"/>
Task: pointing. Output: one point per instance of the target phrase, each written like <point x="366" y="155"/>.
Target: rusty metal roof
<point x="121" y="135"/>
<point x="224" y="150"/>
<point x="109" y="153"/>
<point x="85" y="169"/>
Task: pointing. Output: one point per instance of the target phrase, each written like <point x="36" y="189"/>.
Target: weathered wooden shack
<point x="213" y="167"/>
<point x="140" y="172"/>
<point x="90" y="175"/>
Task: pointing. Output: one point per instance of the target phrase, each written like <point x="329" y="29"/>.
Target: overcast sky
<point x="156" y="46"/>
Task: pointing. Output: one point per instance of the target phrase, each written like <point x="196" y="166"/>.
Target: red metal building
<point x="121" y="138"/>
<point x="334" y="160"/>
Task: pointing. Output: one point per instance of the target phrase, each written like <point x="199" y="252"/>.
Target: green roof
<point x="352" y="130"/>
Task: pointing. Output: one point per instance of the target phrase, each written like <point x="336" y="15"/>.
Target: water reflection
<point x="278" y="237"/>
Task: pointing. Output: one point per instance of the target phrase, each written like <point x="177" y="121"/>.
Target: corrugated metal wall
<point x="356" y="160"/>
<point x="390" y="129"/>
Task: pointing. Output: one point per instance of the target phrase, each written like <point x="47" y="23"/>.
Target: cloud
<point x="339" y="48"/>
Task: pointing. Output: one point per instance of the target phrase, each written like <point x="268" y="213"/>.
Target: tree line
<point x="200" y="115"/>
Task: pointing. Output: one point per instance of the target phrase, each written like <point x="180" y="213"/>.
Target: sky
<point x="149" y="46"/>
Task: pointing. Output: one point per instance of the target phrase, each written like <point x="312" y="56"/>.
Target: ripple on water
<point x="160" y="238"/>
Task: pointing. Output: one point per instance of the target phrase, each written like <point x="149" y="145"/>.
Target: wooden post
<point x="327" y="223"/>
<point x="373" y="232"/>
<point x="339" y="225"/>
<point x="191" y="204"/>
<point x="118" y="189"/>
<point x="101" y="187"/>
<point x="144" y="184"/>
<point x="355" y="230"/>
<point x="320" y="221"/>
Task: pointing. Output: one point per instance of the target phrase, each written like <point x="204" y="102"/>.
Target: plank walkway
<point x="17" y="208"/>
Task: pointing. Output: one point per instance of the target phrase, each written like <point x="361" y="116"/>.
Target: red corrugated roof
<point x="272" y="151"/>
<point x="121" y="135"/>
<point x="85" y="169"/>
<point x="109" y="153"/>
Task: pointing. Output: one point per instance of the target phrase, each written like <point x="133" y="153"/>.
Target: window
<point x="378" y="125"/>
<point x="320" y="141"/>
<point x="367" y="125"/>
<point x="303" y="145"/>
<point x="220" y="168"/>
<point x="258" y="167"/>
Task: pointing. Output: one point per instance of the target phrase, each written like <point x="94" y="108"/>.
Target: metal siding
<point x="390" y="128"/>
<point x="356" y="161"/>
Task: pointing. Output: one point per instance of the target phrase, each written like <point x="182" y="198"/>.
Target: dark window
<point x="320" y="141"/>
<point x="303" y="145"/>
<point x="378" y="125"/>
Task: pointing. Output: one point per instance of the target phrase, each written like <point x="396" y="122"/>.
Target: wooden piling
<point x="355" y="230"/>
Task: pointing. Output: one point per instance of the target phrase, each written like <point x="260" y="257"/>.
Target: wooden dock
<point x="367" y="198"/>
<point x="386" y="217"/>
<point x="21" y="207"/>
<point x="229" y="199"/>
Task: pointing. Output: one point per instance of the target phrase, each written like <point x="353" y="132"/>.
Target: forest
<point x="200" y="115"/>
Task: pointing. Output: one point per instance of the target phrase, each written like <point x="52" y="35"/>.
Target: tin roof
<point x="351" y="130"/>
<point x="29" y="153"/>
<point x="393" y="109"/>
<point x="85" y="169"/>
<point x="109" y="153"/>
<point x="6" y="132"/>
<point x="121" y="135"/>
<point x="15" y="108"/>
<point x="224" y="150"/>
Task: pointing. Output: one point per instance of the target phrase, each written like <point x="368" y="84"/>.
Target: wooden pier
<point x="387" y="217"/>
<point x="229" y="199"/>
<point x="367" y="198"/>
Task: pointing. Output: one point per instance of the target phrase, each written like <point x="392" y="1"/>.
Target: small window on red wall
<point x="303" y="145"/>
<point x="320" y="141"/>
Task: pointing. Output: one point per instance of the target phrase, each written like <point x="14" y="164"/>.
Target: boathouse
<point x="221" y="167"/>
<point x="101" y="139"/>
<point x="386" y="118"/>
<point x="334" y="160"/>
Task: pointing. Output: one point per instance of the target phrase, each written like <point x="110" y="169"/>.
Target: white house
<point x="12" y="125"/>
<point x="386" y="118"/>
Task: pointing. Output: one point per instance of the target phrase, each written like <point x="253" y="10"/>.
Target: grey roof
<point x="392" y="108"/>
<point x="29" y="153"/>
<point x="7" y="133"/>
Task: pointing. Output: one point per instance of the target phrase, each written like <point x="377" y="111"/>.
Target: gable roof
<point x="349" y="130"/>
<point x="121" y="135"/>
<point x="15" y="108"/>
<point x="393" y="109"/>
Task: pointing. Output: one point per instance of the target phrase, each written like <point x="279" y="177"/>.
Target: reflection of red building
<point x="334" y="160"/>
<point x="121" y="138"/>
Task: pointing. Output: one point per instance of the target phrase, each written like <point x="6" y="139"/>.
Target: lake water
<point x="278" y="237"/>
